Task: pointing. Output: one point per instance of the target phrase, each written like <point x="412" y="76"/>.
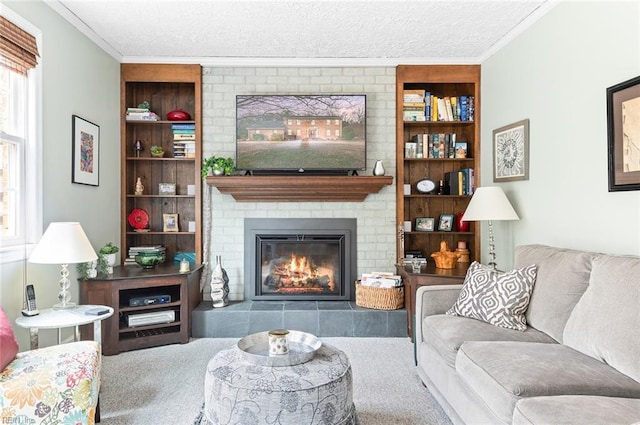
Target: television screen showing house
<point x="310" y="132"/>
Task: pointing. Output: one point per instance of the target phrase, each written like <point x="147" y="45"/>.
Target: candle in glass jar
<point x="462" y="245"/>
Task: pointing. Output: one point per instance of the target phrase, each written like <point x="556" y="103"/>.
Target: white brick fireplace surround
<point x="375" y="216"/>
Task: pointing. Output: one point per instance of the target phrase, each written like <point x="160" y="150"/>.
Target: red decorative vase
<point x="463" y="226"/>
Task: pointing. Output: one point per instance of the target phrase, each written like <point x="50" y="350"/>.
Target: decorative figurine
<point x="138" y="147"/>
<point x="445" y="259"/>
<point x="139" y="187"/>
<point x="219" y="285"/>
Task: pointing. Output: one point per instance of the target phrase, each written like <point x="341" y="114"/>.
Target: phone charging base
<point x="30" y="313"/>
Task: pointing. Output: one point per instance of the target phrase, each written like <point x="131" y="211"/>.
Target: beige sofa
<point x="577" y="362"/>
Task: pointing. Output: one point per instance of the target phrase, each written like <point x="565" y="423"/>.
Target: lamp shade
<point x="63" y="243"/>
<point x="489" y="203"/>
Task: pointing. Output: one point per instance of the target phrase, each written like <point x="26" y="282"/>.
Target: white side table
<point x="53" y="318"/>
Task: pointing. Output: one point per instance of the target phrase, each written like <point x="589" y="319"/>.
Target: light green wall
<point x="556" y="74"/>
<point x="78" y="78"/>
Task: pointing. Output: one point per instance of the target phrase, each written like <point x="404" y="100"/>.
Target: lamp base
<point x="64" y="306"/>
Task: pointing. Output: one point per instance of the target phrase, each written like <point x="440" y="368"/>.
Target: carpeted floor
<point x="165" y="385"/>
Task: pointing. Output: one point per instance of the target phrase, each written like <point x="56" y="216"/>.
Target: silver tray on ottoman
<point x="302" y="347"/>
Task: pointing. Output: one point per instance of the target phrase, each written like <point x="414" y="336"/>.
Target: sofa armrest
<point x="435" y="299"/>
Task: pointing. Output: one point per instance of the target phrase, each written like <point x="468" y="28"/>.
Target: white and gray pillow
<point x="498" y="298"/>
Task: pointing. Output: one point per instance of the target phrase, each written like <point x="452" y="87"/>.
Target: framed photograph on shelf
<point x="623" y="134"/>
<point x="461" y="149"/>
<point x="446" y="223"/>
<point x="86" y="152"/>
<point x="511" y="152"/>
<point x="170" y="222"/>
<point x="425" y="224"/>
<point x="166" y="188"/>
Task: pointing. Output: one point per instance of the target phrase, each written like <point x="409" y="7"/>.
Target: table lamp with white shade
<point x="489" y="204"/>
<point x="63" y="243"/>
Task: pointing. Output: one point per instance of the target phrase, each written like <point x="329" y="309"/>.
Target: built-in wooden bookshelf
<point x="443" y="81"/>
<point x="166" y="87"/>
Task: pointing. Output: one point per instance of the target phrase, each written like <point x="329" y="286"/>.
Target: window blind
<point x="18" y="48"/>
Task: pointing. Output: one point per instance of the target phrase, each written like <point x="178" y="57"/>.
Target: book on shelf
<point x="410" y="150"/>
<point x="410" y="95"/>
<point x="183" y="126"/>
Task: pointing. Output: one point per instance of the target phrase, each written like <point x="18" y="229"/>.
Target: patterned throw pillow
<point x="499" y="298"/>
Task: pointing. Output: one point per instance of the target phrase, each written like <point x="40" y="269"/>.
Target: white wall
<point x="556" y="74"/>
<point x="376" y="216"/>
<point x="78" y="78"/>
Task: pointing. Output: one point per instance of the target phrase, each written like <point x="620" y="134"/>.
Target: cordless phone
<point x="31" y="310"/>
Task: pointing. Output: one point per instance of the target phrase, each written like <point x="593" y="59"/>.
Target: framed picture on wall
<point x="511" y="152"/>
<point x="623" y="134"/>
<point x="86" y="152"/>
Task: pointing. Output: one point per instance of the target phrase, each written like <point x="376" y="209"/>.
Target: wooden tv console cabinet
<point x="129" y="282"/>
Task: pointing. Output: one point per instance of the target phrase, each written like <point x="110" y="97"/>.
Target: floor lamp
<point x="63" y="243"/>
<point x="489" y="204"/>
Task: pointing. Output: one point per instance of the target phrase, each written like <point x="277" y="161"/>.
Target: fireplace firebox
<point x="300" y="259"/>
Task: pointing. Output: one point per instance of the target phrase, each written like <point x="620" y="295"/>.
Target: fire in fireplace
<point x="294" y="259"/>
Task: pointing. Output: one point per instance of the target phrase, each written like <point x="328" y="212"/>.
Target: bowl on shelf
<point x="148" y="260"/>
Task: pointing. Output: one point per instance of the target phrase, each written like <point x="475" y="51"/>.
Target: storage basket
<point x="379" y="298"/>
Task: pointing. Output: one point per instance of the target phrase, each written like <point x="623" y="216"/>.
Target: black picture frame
<point x="623" y="126"/>
<point x="85" y="154"/>
<point x="445" y="224"/>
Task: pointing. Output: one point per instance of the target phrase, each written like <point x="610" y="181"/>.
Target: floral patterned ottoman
<point x="319" y="391"/>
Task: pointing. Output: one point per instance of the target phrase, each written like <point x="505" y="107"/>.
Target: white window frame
<point x="32" y="210"/>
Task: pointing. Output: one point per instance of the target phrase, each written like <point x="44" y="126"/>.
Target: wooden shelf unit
<point x="166" y="87"/>
<point x="440" y="80"/>
<point x="132" y="281"/>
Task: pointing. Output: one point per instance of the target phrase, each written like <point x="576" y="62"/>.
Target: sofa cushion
<point x="496" y="297"/>
<point x="501" y="373"/>
<point x="604" y="323"/>
<point x="562" y="278"/>
<point x="577" y="410"/>
<point x="8" y="343"/>
<point x="446" y="333"/>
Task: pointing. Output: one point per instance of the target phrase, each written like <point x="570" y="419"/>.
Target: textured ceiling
<point x="406" y="31"/>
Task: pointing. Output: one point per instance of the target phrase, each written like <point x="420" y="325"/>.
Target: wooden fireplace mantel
<point x="299" y="188"/>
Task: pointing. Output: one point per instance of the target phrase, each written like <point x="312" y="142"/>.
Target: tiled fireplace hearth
<point x="299" y="274"/>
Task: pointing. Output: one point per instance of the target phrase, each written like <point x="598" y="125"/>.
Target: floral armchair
<point x="52" y="385"/>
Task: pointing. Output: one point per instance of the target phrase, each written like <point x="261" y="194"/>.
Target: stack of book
<point x="184" y="140"/>
<point x="381" y="280"/>
<point x="140" y="114"/>
<point x="413" y="105"/>
<point x="135" y="250"/>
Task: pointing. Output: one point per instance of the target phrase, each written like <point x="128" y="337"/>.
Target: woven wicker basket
<point x="379" y="298"/>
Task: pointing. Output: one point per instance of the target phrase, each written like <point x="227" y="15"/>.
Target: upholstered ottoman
<point x="319" y="391"/>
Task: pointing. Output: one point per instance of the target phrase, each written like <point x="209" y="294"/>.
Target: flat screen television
<point x="301" y="133"/>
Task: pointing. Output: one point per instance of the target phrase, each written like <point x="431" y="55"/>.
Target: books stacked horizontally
<point x="184" y="140"/>
<point x="413" y="105"/>
<point x="381" y="280"/>
<point x="140" y="114"/>
<point x="151" y="249"/>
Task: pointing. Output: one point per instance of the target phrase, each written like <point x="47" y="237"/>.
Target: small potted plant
<point x="217" y="166"/>
<point x="107" y="257"/>
<point x="157" y="152"/>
